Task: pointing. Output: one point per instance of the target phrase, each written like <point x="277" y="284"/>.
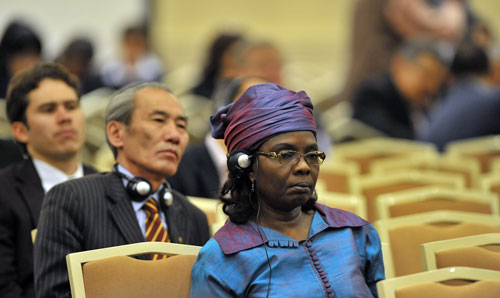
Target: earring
<point x="253" y="186"/>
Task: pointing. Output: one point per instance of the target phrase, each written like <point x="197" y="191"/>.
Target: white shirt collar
<point x="218" y="156"/>
<point x="50" y="175"/>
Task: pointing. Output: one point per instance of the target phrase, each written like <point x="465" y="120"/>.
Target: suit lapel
<point x="121" y="210"/>
<point x="30" y="188"/>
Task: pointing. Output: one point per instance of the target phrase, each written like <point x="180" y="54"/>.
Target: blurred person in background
<point x="137" y="62"/>
<point x="77" y="57"/>
<point x="203" y="170"/>
<point x="43" y="107"/>
<point x="221" y="62"/>
<point x="381" y="26"/>
<point x="263" y="60"/>
<point x="395" y="103"/>
<point x="20" y="47"/>
<point x="470" y="108"/>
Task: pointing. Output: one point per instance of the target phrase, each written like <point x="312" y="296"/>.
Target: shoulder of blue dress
<point x="337" y="218"/>
<point x="233" y="237"/>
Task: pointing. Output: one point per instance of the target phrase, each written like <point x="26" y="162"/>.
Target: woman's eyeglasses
<point x="291" y="157"/>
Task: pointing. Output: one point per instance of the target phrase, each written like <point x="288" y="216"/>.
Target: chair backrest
<point x="111" y="270"/>
<point x="371" y="186"/>
<point x="467" y="168"/>
<point x="363" y="153"/>
<point x="491" y="183"/>
<point x="479" y="251"/>
<point x="351" y="203"/>
<point x="474" y="282"/>
<point x="405" y="234"/>
<point x="212" y="209"/>
<point x="335" y="175"/>
<point x="430" y="198"/>
<point x="482" y="149"/>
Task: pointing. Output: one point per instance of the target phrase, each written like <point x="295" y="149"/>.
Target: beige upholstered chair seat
<point x="123" y="277"/>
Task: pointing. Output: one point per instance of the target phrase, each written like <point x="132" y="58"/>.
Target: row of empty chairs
<point x="459" y="267"/>
<point x="378" y="166"/>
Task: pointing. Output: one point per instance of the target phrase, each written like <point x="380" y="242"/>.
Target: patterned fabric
<point x="340" y="258"/>
<point x="262" y="111"/>
<point x="155" y="231"/>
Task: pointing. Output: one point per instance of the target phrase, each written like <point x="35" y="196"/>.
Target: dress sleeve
<point x="206" y="279"/>
<point x="374" y="262"/>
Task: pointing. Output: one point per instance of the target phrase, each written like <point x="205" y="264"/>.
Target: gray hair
<point x="122" y="105"/>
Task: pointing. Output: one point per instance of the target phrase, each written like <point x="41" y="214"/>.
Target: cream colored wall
<point x="488" y="10"/>
<point x="312" y="36"/>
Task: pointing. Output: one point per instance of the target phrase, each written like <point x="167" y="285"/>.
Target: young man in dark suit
<point x="43" y="107"/>
<point x="146" y="130"/>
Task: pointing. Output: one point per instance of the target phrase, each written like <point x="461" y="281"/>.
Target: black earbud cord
<point x="259" y="230"/>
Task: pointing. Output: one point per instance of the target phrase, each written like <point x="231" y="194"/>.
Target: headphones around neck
<point x="140" y="188"/>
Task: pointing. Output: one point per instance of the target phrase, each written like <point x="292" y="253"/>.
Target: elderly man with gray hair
<point x="146" y="130"/>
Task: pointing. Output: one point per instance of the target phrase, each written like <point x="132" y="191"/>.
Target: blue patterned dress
<point x="340" y="258"/>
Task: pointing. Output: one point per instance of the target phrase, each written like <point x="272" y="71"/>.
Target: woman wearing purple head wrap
<point x="278" y="241"/>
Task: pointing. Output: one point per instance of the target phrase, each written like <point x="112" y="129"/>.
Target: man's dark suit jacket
<point x="378" y="103"/>
<point x="21" y="196"/>
<point x="96" y="212"/>
<point x="196" y="175"/>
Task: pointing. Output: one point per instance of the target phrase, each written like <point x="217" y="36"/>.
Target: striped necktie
<point x="155" y="231"/>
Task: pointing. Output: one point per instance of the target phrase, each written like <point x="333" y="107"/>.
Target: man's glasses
<point x="291" y="157"/>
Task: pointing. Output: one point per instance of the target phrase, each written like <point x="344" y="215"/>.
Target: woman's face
<point x="284" y="187"/>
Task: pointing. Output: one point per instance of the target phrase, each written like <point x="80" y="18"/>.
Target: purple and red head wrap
<point x="263" y="111"/>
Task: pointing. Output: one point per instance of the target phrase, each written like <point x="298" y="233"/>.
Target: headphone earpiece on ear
<point x="239" y="160"/>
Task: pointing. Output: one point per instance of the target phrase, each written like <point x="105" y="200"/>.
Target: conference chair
<point x="491" y="183"/>
<point x="363" y="153"/>
<point x="469" y="283"/>
<point x="336" y="175"/>
<point x="479" y="251"/>
<point x="212" y="209"/>
<point x="482" y="149"/>
<point x="431" y="198"/>
<point x="351" y="203"/>
<point x="405" y="234"/>
<point x="111" y="272"/>
<point x="371" y="186"/>
<point x="438" y="163"/>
